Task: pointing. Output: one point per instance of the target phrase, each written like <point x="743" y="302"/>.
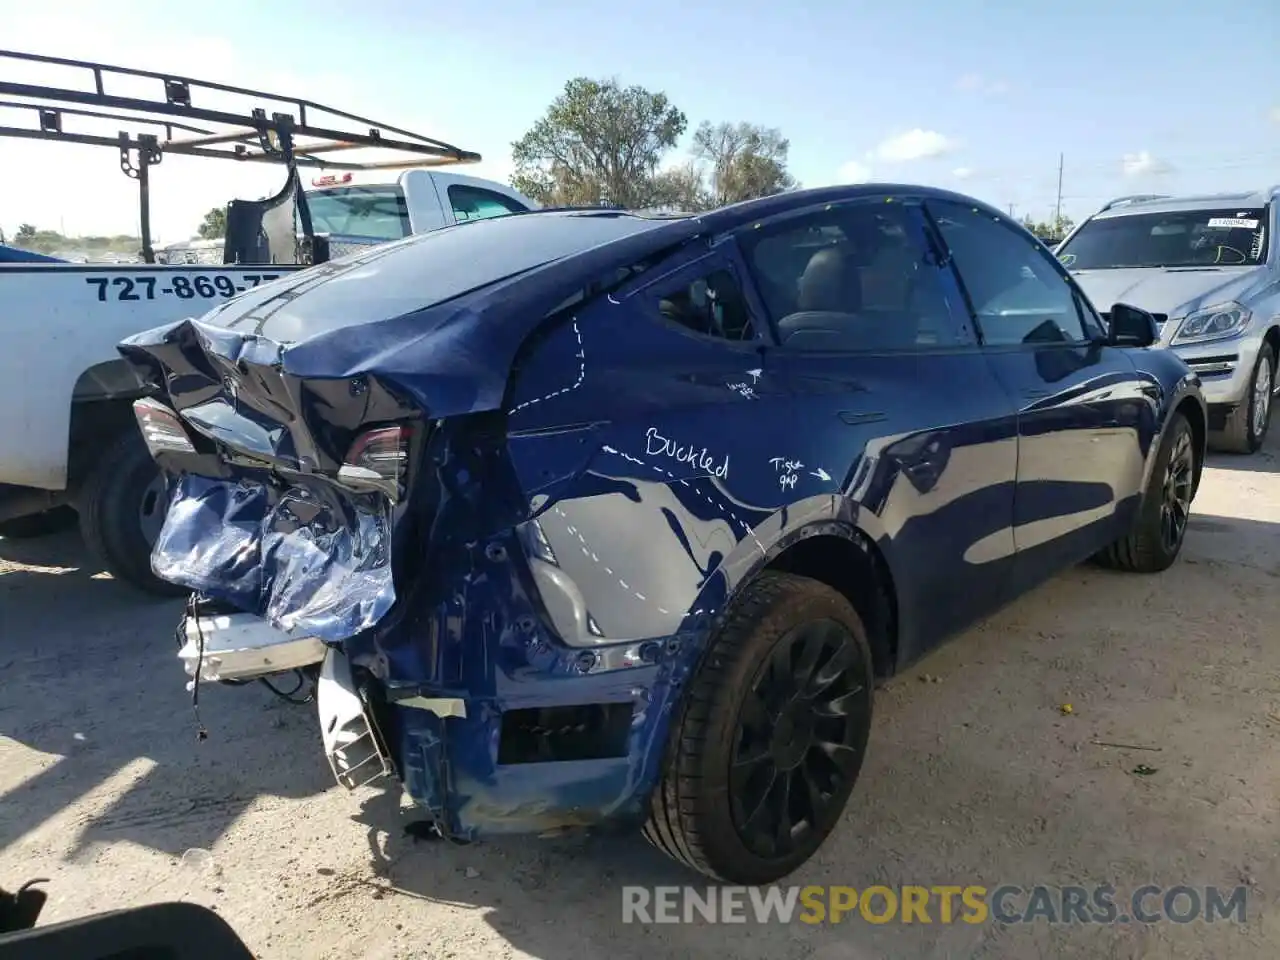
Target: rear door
<point x="1084" y="422"/>
<point x="890" y="393"/>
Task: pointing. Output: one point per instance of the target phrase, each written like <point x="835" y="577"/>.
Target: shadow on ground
<point x="1266" y="460"/>
<point x="93" y="682"/>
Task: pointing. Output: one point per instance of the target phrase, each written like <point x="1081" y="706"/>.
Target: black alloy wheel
<point x="801" y="731"/>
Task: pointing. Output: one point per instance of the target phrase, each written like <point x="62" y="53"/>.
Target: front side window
<point x="1227" y="237"/>
<point x="856" y="277"/>
<point x="476" y="203"/>
<point x="1017" y="292"/>
<point x="376" y="212"/>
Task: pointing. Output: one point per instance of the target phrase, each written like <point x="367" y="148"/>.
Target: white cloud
<point x="962" y="173"/>
<point x="854" y="172"/>
<point x="1143" y="163"/>
<point x="977" y="83"/>
<point x="1275" y="114"/>
<point x="915" y="144"/>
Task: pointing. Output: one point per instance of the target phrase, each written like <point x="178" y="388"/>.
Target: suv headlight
<point x="1215" y="323"/>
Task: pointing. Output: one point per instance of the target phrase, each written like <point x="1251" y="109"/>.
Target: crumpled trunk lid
<point x="261" y="515"/>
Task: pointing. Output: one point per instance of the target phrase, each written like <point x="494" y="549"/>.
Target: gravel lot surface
<point x="975" y="775"/>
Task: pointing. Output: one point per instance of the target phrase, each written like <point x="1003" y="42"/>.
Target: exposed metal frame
<point x="284" y="130"/>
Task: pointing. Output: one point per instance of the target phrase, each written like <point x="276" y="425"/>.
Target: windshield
<point x="376" y="211"/>
<point x="1186" y="238"/>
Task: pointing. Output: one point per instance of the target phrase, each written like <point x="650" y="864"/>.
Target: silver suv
<point x="1207" y="268"/>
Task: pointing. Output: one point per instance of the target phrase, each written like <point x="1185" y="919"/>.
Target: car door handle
<point x="856" y="417"/>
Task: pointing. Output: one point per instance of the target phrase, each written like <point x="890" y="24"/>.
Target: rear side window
<point x="1018" y="295"/>
<point x="852" y="278"/>
<point x="712" y="305"/>
<point x="377" y="212"/>
<point x="476" y="203"/>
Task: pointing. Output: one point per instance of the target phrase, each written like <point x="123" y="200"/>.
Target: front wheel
<point x="1246" y="427"/>
<point x="1161" y="525"/>
<point x="122" y="507"/>
<point x="771" y="735"/>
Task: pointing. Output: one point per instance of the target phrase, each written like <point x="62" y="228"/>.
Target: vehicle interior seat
<point x="831" y="314"/>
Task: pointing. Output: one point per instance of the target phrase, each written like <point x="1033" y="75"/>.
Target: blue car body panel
<point x="17" y="255"/>
<point x="593" y="485"/>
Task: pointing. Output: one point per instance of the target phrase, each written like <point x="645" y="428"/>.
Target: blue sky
<point x="980" y="96"/>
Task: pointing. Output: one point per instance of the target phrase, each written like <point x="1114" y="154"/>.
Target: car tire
<point x="39" y="524"/>
<point x="1161" y="525"/>
<point x="1245" y="430"/>
<point x="698" y="812"/>
<point x="112" y="502"/>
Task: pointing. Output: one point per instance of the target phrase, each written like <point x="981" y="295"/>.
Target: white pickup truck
<point x="68" y="438"/>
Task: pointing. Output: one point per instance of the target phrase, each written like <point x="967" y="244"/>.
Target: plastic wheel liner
<point x="482" y="578"/>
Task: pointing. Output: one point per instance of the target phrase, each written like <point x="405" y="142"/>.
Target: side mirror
<point x="1132" y="327"/>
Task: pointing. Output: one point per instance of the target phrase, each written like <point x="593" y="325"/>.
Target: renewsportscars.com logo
<point x="971" y="904"/>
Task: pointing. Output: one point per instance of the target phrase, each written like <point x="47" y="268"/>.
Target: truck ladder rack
<point x="223" y="122"/>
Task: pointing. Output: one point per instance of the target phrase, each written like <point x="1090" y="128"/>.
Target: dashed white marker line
<point x="582" y="375"/>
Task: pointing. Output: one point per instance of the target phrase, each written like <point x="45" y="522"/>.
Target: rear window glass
<point x="377" y="212"/>
<point x="429" y="268"/>
<point x="1225" y="237"/>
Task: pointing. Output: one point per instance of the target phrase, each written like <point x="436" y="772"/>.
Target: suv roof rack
<point x="1133" y="198"/>
<point x="284" y="130"/>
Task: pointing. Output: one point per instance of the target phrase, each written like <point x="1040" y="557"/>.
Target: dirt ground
<point x="975" y="777"/>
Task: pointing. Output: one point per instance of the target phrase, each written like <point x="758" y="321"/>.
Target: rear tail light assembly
<point x="162" y="431"/>
<point x="378" y="461"/>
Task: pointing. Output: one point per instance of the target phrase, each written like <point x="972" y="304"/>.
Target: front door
<point x="890" y="394"/>
<point x="1084" y="422"/>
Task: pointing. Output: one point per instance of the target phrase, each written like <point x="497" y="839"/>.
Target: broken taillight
<point x="378" y="460"/>
<point x="161" y="429"/>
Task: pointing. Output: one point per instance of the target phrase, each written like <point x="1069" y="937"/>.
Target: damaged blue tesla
<point x="588" y="516"/>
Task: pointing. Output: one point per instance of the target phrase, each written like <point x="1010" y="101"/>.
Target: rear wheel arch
<point x="849" y="562"/>
<point x="101" y="410"/>
<point x="95" y="427"/>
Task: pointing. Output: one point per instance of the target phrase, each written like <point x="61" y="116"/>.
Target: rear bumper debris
<point x="240" y="646"/>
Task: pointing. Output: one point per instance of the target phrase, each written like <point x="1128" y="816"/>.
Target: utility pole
<point x="1011" y="209"/>
<point x="1057" y="209"/>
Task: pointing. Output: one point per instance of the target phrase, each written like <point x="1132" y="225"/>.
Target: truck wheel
<point x="1246" y="428"/>
<point x="122" y="506"/>
<point x="1161" y="524"/>
<point x="769" y="740"/>
<point x="39" y="524"/>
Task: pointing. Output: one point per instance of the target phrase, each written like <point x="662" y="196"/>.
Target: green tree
<point x="26" y="233"/>
<point x="599" y="141"/>
<point x="1055" y="228"/>
<point x="682" y="188"/>
<point x="214" y="224"/>
<point x="745" y="161"/>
